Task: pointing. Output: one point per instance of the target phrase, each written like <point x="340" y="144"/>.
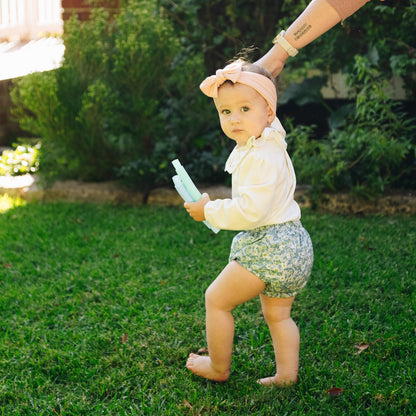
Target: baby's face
<point x="243" y="112"/>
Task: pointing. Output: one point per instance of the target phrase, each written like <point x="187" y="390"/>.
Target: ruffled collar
<point x="274" y="132"/>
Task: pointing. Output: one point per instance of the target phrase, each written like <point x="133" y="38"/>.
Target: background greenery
<point x="370" y="146"/>
<point x="101" y="306"/>
<point x="126" y="100"/>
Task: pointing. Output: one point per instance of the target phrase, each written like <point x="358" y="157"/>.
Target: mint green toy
<point x="187" y="189"/>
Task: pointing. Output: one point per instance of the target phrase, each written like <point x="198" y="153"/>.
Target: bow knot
<point x="236" y="74"/>
<point x="211" y="84"/>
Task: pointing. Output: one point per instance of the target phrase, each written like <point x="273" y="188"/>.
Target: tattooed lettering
<point x="302" y="30"/>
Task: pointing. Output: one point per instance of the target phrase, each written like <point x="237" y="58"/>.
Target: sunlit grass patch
<point x="7" y="202"/>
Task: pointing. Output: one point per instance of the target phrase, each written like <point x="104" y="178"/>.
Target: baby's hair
<point x="257" y="69"/>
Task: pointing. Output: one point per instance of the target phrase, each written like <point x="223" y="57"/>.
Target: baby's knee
<point x="273" y="316"/>
<point x="276" y="310"/>
<point x="210" y="296"/>
<point x="217" y="300"/>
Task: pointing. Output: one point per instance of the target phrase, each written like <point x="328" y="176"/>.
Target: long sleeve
<point x="263" y="185"/>
<point x="252" y="202"/>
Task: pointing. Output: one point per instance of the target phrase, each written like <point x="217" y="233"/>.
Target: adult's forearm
<point x="318" y="17"/>
<point x="315" y="20"/>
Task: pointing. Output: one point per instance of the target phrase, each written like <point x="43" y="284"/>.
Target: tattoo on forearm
<point x="302" y="30"/>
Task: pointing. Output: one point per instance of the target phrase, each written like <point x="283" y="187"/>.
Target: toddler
<point x="272" y="256"/>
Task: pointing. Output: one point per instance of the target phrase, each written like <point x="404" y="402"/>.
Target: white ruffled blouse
<point x="263" y="185"/>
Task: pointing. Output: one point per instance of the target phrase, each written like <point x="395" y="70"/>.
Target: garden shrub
<point x="191" y="120"/>
<point x="101" y="111"/>
<point x="372" y="151"/>
<point x="37" y="109"/>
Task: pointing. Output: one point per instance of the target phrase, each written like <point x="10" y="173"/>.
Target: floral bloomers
<point x="281" y="255"/>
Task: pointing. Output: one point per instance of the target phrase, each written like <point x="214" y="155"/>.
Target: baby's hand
<point x="196" y="209"/>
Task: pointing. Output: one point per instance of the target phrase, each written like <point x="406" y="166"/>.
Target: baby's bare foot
<point x="202" y="366"/>
<point x="276" y="381"/>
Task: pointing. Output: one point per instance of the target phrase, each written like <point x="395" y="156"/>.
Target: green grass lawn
<point x="101" y="305"/>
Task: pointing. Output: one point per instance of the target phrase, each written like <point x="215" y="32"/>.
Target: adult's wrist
<point x="285" y="44"/>
<point x="274" y="60"/>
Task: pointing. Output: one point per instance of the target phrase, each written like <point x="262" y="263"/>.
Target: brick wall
<point x="83" y="7"/>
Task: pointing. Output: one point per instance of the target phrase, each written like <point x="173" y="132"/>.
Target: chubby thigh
<point x="281" y="255"/>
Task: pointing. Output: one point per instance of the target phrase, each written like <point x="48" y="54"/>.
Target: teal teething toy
<point x="187" y="189"/>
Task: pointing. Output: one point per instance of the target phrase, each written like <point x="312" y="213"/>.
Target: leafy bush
<point x="23" y="159"/>
<point x="191" y="120"/>
<point x="102" y="109"/>
<point x="370" y="152"/>
<point x="36" y="107"/>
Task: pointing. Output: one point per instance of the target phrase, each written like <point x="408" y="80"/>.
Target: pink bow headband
<point x="233" y="72"/>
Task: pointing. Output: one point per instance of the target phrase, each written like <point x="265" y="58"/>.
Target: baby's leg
<point x="233" y="286"/>
<point x="285" y="337"/>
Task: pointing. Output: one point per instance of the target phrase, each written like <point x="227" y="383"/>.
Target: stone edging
<point x="27" y="187"/>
